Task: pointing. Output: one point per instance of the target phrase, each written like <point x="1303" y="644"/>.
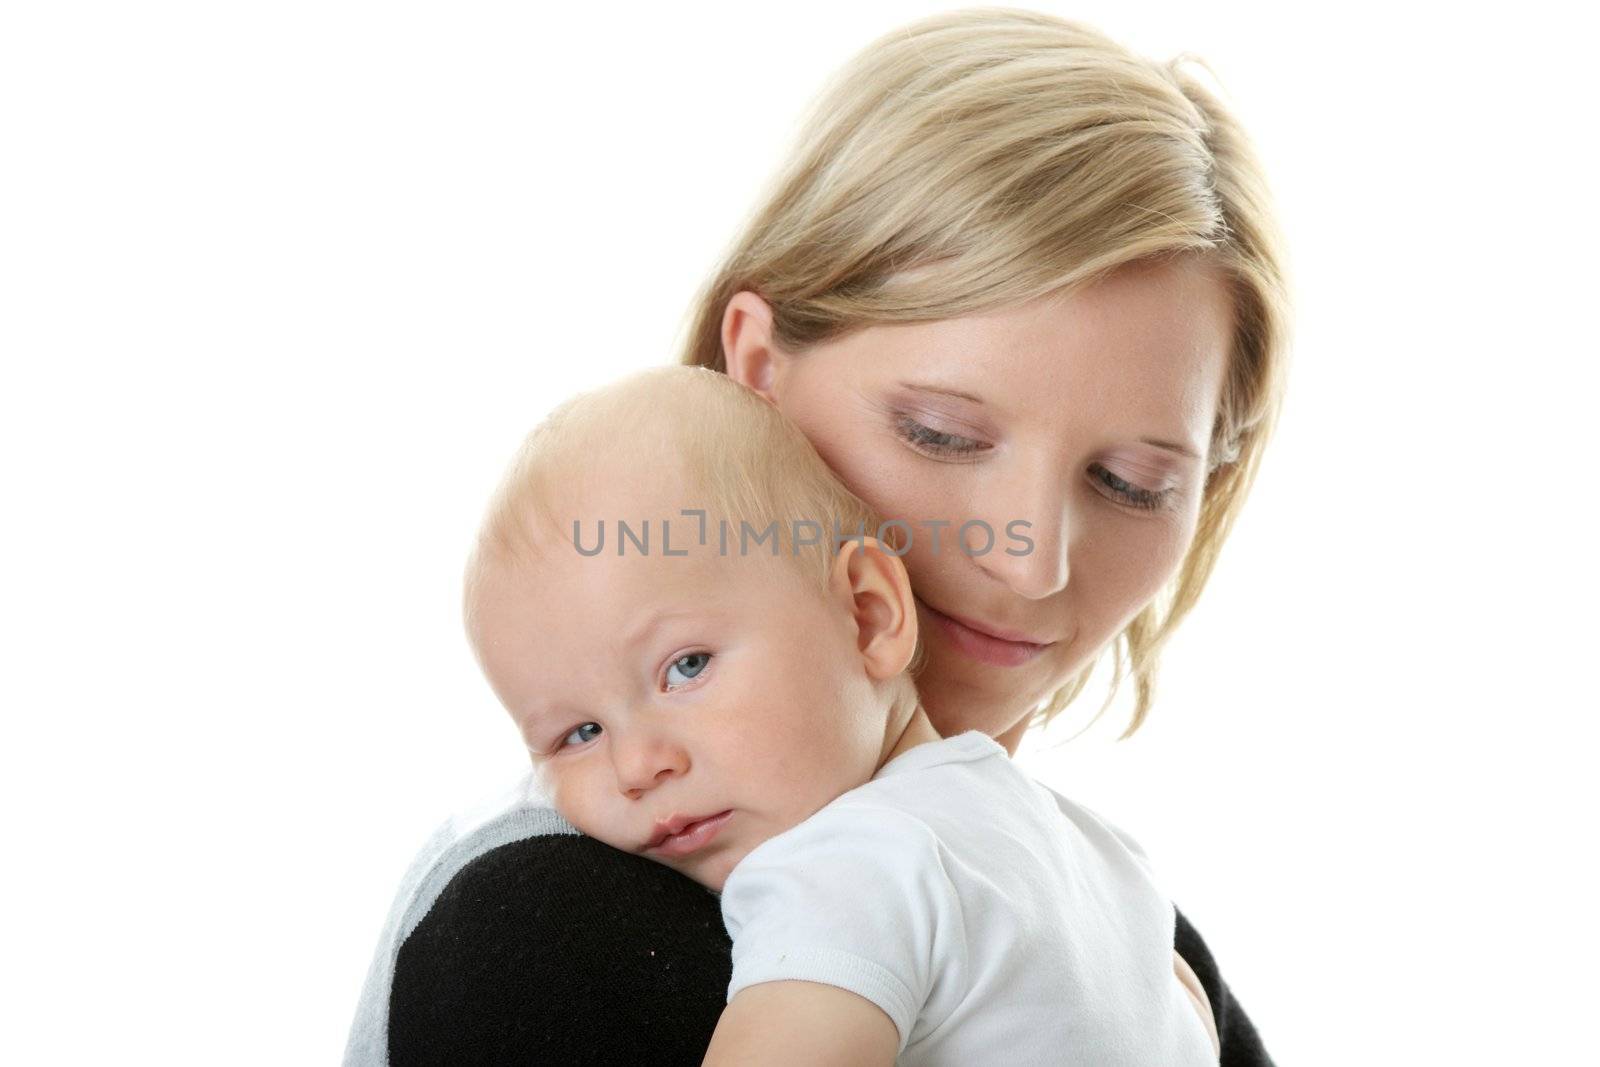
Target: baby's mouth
<point x="681" y="836"/>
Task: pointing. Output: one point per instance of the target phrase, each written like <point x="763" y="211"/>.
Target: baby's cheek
<point x="575" y="797"/>
<point x="716" y="879"/>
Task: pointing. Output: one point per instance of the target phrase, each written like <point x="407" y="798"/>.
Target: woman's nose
<point x="644" y="759"/>
<point x="1029" y="545"/>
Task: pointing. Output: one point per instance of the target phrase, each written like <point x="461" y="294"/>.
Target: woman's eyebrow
<point x="941" y="390"/>
<point x="920" y="387"/>
<point x="1171" y="446"/>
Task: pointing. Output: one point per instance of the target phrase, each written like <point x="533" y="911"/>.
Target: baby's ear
<point x="878" y="589"/>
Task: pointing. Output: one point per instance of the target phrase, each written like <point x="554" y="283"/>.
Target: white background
<point x="282" y="285"/>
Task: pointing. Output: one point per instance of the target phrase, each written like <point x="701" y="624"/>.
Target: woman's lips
<point x="984" y="647"/>
<point x="691" y="838"/>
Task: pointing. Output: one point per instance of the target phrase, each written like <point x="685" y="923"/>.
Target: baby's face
<point x="719" y="699"/>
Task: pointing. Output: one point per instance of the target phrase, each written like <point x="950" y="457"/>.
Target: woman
<point x="1016" y="278"/>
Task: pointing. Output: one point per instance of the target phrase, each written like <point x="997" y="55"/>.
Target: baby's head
<point x="685" y="672"/>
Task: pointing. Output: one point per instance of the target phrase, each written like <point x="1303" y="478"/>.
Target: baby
<point x="707" y="676"/>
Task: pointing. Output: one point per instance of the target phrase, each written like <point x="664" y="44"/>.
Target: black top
<point x="558" y="949"/>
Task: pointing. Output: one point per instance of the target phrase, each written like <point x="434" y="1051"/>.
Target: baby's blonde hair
<point x="738" y="458"/>
<point x="983" y="158"/>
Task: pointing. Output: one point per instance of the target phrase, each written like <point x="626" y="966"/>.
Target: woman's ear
<point x="873" y="582"/>
<point x="747" y="348"/>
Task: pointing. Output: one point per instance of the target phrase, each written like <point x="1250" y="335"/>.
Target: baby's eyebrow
<point x="529" y="726"/>
<point x="647" y="626"/>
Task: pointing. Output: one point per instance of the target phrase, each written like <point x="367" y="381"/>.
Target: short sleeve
<point x="855" y="897"/>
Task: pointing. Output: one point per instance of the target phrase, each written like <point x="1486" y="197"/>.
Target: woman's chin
<point x="974" y="696"/>
<point x="971" y="700"/>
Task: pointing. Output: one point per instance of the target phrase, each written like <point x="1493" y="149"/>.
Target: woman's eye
<point x="583" y="734"/>
<point x="930" y="440"/>
<point x="687" y="668"/>
<point x="1127" y="492"/>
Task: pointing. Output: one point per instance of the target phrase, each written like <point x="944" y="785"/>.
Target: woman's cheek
<point x="887" y="483"/>
<point x="1180" y="539"/>
<point x="1149" y="561"/>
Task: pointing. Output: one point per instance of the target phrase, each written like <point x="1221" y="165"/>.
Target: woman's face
<point x="1074" y="429"/>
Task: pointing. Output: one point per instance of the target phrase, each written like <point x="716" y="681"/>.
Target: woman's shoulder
<point x="558" y="946"/>
<point x="510" y="927"/>
<point x="509" y="815"/>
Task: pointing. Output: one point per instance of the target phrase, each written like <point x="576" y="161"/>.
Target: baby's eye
<point x="585" y="733"/>
<point x="686" y="668"/>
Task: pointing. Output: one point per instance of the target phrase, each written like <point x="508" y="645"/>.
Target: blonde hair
<point x="737" y="457"/>
<point x="983" y="158"/>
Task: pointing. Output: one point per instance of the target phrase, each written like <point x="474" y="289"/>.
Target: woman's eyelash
<point x="1127" y="492"/>
<point x="931" y="440"/>
<point x="927" y="439"/>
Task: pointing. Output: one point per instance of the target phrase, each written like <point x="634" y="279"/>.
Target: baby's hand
<point x="1197" y="997"/>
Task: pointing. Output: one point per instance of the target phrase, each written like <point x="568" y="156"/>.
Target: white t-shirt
<point x="985" y="919"/>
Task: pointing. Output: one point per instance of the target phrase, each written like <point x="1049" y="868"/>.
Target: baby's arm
<point x="1197" y="997"/>
<point x="802" y="1023"/>
<point x="836" y="928"/>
